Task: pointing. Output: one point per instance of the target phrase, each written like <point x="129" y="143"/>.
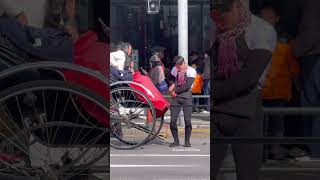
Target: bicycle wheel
<point x="43" y="136"/>
<point x="129" y="128"/>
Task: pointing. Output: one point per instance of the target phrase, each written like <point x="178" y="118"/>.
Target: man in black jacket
<point x="181" y="94"/>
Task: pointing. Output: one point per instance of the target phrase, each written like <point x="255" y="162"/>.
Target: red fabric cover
<point x="160" y="103"/>
<point x="90" y="53"/>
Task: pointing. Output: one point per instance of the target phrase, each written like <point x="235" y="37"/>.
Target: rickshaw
<point x="58" y="119"/>
<point x="131" y="104"/>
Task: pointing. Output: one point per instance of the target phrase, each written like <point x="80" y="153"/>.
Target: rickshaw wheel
<point x="158" y="126"/>
<point x="43" y="137"/>
<point x="129" y="126"/>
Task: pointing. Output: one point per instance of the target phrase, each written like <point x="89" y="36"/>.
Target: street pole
<point x="183" y="28"/>
<point x="183" y="37"/>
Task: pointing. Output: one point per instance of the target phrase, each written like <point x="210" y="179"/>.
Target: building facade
<point x="130" y="22"/>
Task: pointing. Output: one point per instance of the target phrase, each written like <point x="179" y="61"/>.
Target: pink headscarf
<point x="181" y="75"/>
<point x="227" y="52"/>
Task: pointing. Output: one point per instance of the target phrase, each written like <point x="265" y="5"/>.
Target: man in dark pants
<point x="241" y="54"/>
<point x="247" y="157"/>
<point x="206" y="79"/>
<point x="181" y="97"/>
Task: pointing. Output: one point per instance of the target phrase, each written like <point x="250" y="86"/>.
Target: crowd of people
<point x="178" y="84"/>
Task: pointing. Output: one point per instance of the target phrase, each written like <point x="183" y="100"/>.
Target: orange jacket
<point x="284" y="68"/>
<point x="197" y="84"/>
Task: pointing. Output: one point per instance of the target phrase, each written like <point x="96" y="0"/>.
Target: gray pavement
<point x="229" y="163"/>
<point x="157" y="161"/>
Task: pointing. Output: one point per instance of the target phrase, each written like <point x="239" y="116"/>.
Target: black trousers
<point x="176" y="105"/>
<point x="247" y="157"/>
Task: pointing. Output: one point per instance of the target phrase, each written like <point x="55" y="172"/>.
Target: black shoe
<point x="278" y="153"/>
<point x="187" y="144"/>
<point x="174" y="144"/>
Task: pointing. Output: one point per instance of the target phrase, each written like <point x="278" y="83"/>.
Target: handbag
<point x="162" y="86"/>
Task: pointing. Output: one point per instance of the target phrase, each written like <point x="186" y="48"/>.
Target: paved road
<point x="157" y="161"/>
<point x="38" y="155"/>
<point x="229" y="163"/>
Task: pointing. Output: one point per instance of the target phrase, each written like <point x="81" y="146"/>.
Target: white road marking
<point x="147" y="165"/>
<point x="159" y="155"/>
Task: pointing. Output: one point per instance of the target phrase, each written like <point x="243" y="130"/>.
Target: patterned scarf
<point x="227" y="52"/>
<point x="181" y="75"/>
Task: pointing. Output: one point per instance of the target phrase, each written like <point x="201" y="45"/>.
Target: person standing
<point x="241" y="55"/>
<point x="197" y="90"/>
<point x="167" y="65"/>
<point x="197" y="63"/>
<point x="307" y="51"/>
<point x="197" y="60"/>
<point x="277" y="89"/>
<point x="181" y="94"/>
<point x="157" y="74"/>
<point x="206" y="80"/>
<point x="159" y="51"/>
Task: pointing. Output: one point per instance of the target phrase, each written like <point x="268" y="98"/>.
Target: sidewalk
<point x="158" y="161"/>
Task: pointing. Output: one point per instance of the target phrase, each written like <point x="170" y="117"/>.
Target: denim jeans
<point x="196" y="101"/>
<point x="206" y="91"/>
<point x="275" y="124"/>
<point x="310" y="97"/>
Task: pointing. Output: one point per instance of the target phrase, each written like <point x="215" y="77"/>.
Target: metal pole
<point x="202" y="27"/>
<point x="183" y="37"/>
<point x="183" y="29"/>
<point x="246" y="3"/>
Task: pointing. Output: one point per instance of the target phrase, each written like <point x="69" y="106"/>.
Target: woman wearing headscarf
<point x="241" y="55"/>
<point x="181" y="94"/>
<point x="157" y="74"/>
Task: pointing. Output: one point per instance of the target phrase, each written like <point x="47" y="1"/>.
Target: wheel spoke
<point x="39" y="139"/>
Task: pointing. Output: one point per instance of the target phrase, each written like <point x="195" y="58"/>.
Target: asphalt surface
<point x="158" y="161"/>
<point x="37" y="152"/>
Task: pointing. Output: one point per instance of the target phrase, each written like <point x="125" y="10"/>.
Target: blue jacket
<point x="125" y="75"/>
<point x="55" y="45"/>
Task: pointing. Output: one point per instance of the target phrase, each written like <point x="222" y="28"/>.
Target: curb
<point x="196" y="133"/>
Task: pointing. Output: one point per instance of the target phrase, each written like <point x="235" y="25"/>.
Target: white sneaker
<point x="304" y="158"/>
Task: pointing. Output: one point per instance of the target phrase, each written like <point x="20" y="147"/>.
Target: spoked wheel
<point x="156" y="133"/>
<point x="129" y="126"/>
<point x="44" y="137"/>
